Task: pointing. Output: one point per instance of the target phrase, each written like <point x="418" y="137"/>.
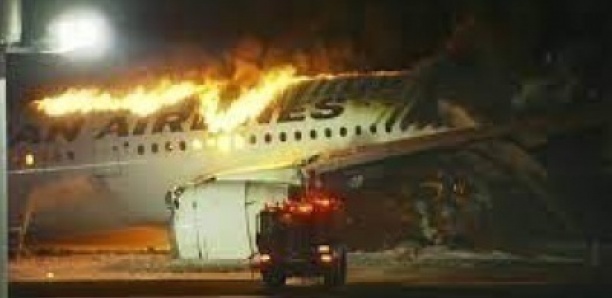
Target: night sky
<point x="388" y="34"/>
<point x="491" y="47"/>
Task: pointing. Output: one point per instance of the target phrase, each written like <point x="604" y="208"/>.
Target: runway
<point x="243" y="288"/>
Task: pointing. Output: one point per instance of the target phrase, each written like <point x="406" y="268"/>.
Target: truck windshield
<point x="296" y="233"/>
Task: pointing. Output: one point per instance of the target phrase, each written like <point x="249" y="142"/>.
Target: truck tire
<point x="343" y="269"/>
<point x="335" y="276"/>
<point x="274" y="278"/>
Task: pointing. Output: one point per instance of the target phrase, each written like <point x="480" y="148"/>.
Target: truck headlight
<point x="262" y="258"/>
<point x="324" y="248"/>
<point x="326" y="258"/>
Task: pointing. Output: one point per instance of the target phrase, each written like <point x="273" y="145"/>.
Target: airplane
<point x="84" y="173"/>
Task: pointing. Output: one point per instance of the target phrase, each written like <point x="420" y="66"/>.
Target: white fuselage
<point x="117" y="168"/>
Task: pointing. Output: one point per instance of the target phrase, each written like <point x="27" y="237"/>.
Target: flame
<point x="210" y="93"/>
<point x="250" y="103"/>
<point x="140" y="100"/>
<point x="143" y="101"/>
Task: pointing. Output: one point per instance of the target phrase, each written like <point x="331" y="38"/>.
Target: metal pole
<point x="10" y="34"/>
<point x="3" y="179"/>
<point x="10" y="22"/>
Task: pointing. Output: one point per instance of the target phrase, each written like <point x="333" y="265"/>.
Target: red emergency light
<point x="305" y="208"/>
<point x="311" y="202"/>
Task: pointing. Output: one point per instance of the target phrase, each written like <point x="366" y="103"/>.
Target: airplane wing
<point x="75" y="167"/>
<point x="550" y="124"/>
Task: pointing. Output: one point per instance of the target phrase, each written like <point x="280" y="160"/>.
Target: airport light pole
<point x="3" y="177"/>
<point x="10" y="33"/>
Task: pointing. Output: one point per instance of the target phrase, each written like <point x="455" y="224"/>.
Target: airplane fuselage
<point x="113" y="169"/>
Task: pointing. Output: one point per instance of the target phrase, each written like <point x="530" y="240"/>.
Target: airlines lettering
<point x="328" y="109"/>
<point x="119" y="126"/>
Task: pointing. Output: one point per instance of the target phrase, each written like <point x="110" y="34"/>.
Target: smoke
<point x="71" y="204"/>
<point x="455" y="115"/>
<point x="489" y="45"/>
<point x="244" y="62"/>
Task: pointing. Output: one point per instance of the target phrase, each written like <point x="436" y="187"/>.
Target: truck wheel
<point x="274" y="278"/>
<point x="343" y="272"/>
<point x="331" y="278"/>
<point x="335" y="276"/>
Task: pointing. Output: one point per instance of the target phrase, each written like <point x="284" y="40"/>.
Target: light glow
<point x="324" y="248"/>
<point x="29" y="159"/>
<point x="85" y="32"/>
<point x="304" y="208"/>
<point x="326" y="258"/>
<point x="196" y="144"/>
<point x="264" y="258"/>
<point x="324" y="202"/>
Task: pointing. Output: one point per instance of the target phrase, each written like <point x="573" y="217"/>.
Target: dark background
<point x="497" y="45"/>
<point x="380" y="34"/>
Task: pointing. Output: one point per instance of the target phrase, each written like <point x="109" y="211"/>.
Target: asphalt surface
<point x="216" y="288"/>
<point x="496" y="278"/>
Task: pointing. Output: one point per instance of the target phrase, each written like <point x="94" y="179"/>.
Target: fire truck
<point x="301" y="238"/>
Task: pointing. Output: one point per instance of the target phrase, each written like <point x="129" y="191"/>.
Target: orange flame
<point x="144" y="101"/>
<point x="249" y="102"/>
<point x="139" y="100"/>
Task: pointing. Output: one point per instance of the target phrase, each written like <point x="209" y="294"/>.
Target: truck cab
<point x="301" y="238"/>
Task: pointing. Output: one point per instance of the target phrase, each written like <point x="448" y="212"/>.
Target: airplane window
<point x="57" y="155"/>
<point x="253" y="140"/>
<point x="282" y="136"/>
<point x="15" y="158"/>
<point x="140" y="149"/>
<point x="268" y="138"/>
<point x="154" y="148"/>
<point x="313" y="134"/>
<point x="328" y="132"/>
<point x="70" y="155"/>
<point x="29" y="159"/>
<point x="298" y="135"/>
<point x="169" y="146"/>
<point x="196" y="144"/>
<point x="182" y="145"/>
<point x="358" y="130"/>
<point x="343" y="131"/>
<point x="373" y="129"/>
